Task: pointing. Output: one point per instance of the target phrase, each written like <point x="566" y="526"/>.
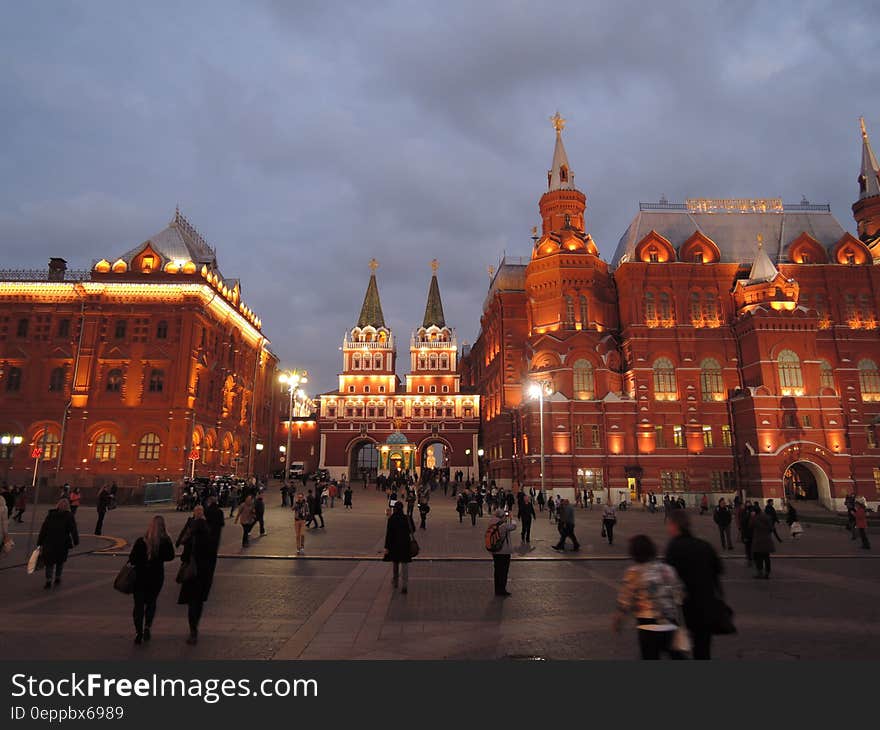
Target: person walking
<point x="699" y="569"/>
<point x="500" y="526"/>
<point x="526" y="515"/>
<point x="398" y="546"/>
<point x="749" y="509"/>
<point x="247" y="518"/>
<point x="653" y="594"/>
<point x="21" y="505"/>
<point x="104" y="500"/>
<point x="6" y="543"/>
<point x="301" y="516"/>
<point x="260" y="512"/>
<point x="473" y="508"/>
<point x="609" y="519"/>
<point x="200" y="558"/>
<point x="57" y="535"/>
<point x="763" y="530"/>
<point x="346" y="497"/>
<point x="540" y="500"/>
<point x="860" y="514"/>
<point x="75" y="500"/>
<point x="723" y="517"/>
<point x="316" y="508"/>
<point x="704" y="504"/>
<point x="551" y="509"/>
<point x="460" y="505"/>
<point x="791" y="519"/>
<point x="770" y="511"/>
<point x="424" y="508"/>
<point x="148" y="558"/>
<point x="566" y="527"/>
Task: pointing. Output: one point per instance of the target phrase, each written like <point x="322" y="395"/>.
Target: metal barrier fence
<point x="155" y="492"/>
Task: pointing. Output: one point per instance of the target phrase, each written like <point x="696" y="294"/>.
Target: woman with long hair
<point x="148" y="557"/>
<point x="57" y="535"/>
<point x="199" y="560"/>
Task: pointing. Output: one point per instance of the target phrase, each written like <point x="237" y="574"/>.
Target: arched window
<point x="433" y="361"/>
<point x="377" y="362"/>
<point x="569" y="313"/>
<point x="444" y="362"/>
<point x="665" y="307"/>
<point x="148" y="447"/>
<point x="105" y="447"/>
<point x="664" y="380"/>
<point x="356" y="362"/>
<point x="585" y="312"/>
<point x="13" y="380"/>
<point x="49" y="443"/>
<point x="157" y="380"/>
<point x="696" y="309"/>
<point x="423" y="362"/>
<point x="650" y="308"/>
<point x="162" y="330"/>
<point x="869" y="380"/>
<point x="114" y="381"/>
<point x="826" y="375"/>
<point x="584" y="387"/>
<point x="711" y="382"/>
<point x="790" y="376"/>
<point x="56" y="380"/>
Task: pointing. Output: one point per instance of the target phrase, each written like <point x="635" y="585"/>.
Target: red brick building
<point x="732" y="345"/>
<point x="125" y="371"/>
<point x="376" y="424"/>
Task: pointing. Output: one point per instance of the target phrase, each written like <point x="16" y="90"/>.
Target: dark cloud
<point x="304" y="138"/>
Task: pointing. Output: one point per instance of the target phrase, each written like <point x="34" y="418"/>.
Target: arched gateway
<point x="805" y="480"/>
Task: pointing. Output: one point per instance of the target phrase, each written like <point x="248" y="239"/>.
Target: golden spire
<point x="435" y="264"/>
<point x="558" y="122"/>
<point x="863" y="128"/>
<point x="374" y="265"/>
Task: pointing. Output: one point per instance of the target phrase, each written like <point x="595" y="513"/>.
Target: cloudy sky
<point x="303" y="138"/>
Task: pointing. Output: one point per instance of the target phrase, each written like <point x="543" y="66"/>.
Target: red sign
<point x="194" y="455"/>
<point x="37" y="452"/>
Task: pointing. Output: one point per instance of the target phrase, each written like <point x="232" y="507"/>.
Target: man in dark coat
<point x="57" y="535"/>
<point x="200" y="554"/>
<point x="316" y="507"/>
<point x="699" y="568"/>
<point x="398" y="546"/>
<point x="723" y="517"/>
<point x="104" y="500"/>
<point x="260" y="513"/>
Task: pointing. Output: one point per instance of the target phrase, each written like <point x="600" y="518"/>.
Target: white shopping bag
<point x="33" y="560"/>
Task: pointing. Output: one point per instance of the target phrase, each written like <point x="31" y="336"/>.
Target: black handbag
<point x="413" y="546"/>
<point x="187" y="572"/>
<point x="125" y="579"/>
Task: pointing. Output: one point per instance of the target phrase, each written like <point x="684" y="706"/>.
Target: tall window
<point x="665" y="307"/>
<point x="114" y="381"/>
<point x="585" y="312"/>
<point x="711" y="382"/>
<point x="659" y="438"/>
<point x="105" y="447"/>
<point x="866" y="311"/>
<point x="595" y="436"/>
<point x="826" y="375"/>
<point x="22" y="329"/>
<point x="678" y="436"/>
<point x="708" y="440"/>
<point x="63" y="327"/>
<point x="664" y="380"/>
<point x="579" y="436"/>
<point x="356" y="362"/>
<point x="569" y="313"/>
<point x="583" y="379"/>
<point x="790" y="376"/>
<point x="50" y="444"/>
<point x="56" y="380"/>
<point x="726" y="436"/>
<point x="710" y="307"/>
<point x="148" y="447"/>
<point x="650" y="308"/>
<point x="696" y="309"/>
<point x="13" y="380"/>
<point x="162" y="330"/>
<point x="157" y="380"/>
<point x="119" y="330"/>
<point x="869" y="380"/>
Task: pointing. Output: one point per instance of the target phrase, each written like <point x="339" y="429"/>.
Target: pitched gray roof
<point x="178" y="241"/>
<point x="734" y="233"/>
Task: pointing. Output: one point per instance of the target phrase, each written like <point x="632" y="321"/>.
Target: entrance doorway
<point x="364" y="462"/>
<point x="806" y="481"/>
<point x="434" y="457"/>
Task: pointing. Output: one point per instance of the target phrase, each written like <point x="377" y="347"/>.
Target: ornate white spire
<point x="869" y="176"/>
<point x="763" y="269"/>
<point x="560" y="176"/>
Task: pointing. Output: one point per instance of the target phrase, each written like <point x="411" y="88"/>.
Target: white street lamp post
<point x="537" y="391"/>
<point x="292" y="379"/>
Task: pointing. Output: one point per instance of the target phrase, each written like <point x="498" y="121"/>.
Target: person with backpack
<point x="498" y="543"/>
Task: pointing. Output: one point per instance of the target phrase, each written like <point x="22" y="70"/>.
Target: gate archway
<point x="363" y="461"/>
<point x="804" y="481"/>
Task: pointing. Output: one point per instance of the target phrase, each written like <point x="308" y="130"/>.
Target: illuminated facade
<point x="376" y="424"/>
<point x="128" y="370"/>
<point x="732" y="345"/>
